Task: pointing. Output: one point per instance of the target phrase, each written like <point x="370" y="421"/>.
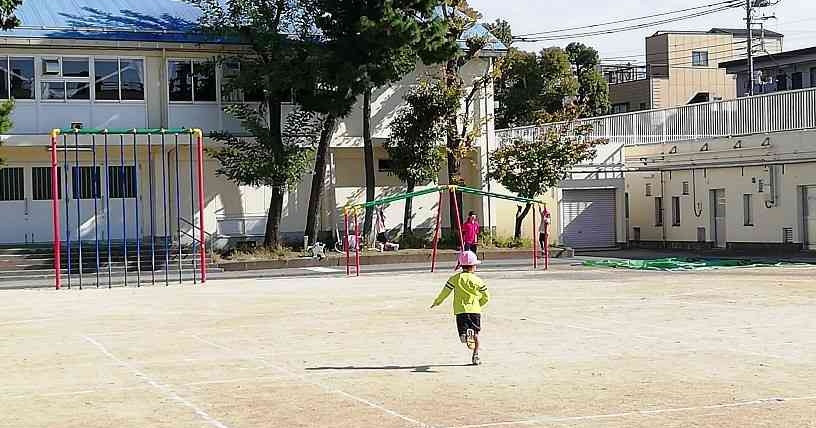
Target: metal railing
<point x="782" y="111"/>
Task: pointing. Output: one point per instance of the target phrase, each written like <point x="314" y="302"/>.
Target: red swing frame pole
<point x="356" y="244"/>
<point x="458" y="217"/>
<point x="202" y="253"/>
<point x="55" y="211"/>
<point x="346" y="241"/>
<point x="436" y="232"/>
<point x="535" y="243"/>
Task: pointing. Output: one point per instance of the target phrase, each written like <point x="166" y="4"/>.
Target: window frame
<point x="658" y="211"/>
<point x="35" y="87"/>
<point x="40" y="78"/>
<point x="192" y="62"/>
<point x="125" y="189"/>
<point x="676" y="211"/>
<point x="118" y="60"/>
<point x="697" y="59"/>
<point x="748" y="210"/>
<point x="20" y="181"/>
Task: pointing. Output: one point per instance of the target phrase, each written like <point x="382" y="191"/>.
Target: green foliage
<point x="533" y="84"/>
<point x="488" y="241"/>
<point x="261" y="160"/>
<point x="413" y="240"/>
<point x="593" y="89"/>
<point x="528" y="167"/>
<point x="501" y="29"/>
<point x="7" y="18"/>
<point x="417" y="130"/>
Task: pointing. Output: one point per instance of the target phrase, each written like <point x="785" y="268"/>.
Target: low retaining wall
<point x="385" y="259"/>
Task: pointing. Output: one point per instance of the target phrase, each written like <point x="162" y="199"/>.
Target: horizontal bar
<point x="398" y="197"/>
<point x="473" y="191"/>
<point x="130" y="131"/>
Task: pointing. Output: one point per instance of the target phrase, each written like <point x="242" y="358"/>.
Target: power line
<point x="630" y="28"/>
<point x="673" y="12"/>
<point x="623" y="29"/>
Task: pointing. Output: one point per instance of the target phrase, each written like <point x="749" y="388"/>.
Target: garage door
<point x="588" y="218"/>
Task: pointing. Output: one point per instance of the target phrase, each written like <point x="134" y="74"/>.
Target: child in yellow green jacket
<point x="470" y="295"/>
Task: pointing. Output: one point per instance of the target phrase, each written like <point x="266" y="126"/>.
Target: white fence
<point x="783" y="111"/>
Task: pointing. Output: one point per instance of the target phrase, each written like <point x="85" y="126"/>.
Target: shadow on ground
<point x="415" y="369"/>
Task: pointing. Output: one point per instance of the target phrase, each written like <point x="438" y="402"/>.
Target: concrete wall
<point x="636" y="94"/>
<point x="736" y="170"/>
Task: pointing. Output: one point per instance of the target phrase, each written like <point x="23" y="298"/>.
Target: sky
<point x="796" y="19"/>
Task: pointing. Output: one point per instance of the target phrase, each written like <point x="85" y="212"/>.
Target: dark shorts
<point x="542" y="237"/>
<point x="468" y="321"/>
<point x="471" y="247"/>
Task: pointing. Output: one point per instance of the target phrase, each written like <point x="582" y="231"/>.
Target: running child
<point x="470" y="295"/>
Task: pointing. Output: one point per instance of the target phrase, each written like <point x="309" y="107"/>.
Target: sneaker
<point x="470" y="336"/>
<point x="476" y="360"/>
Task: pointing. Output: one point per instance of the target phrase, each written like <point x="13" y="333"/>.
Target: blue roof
<point x="126" y="20"/>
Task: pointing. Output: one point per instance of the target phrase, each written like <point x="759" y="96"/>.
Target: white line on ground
<point x="35" y="320"/>
<point x="550" y="419"/>
<point x="163" y="388"/>
<point x="321" y="269"/>
<point x="327" y="388"/>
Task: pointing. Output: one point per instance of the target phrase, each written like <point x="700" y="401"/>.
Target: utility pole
<point x="748" y="21"/>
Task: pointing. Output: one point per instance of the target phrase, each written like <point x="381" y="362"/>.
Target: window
<point x="385" y="165"/>
<point x="119" y="79"/>
<point x="699" y="59"/>
<point x="796" y="80"/>
<point x="11" y="184"/>
<point x="17" y="78"/>
<point x="620" y="108"/>
<point x="121" y="182"/>
<point x="747" y="210"/>
<point x="229" y="71"/>
<point x="41" y="183"/>
<point x="658" y="211"/>
<point x="85" y="181"/>
<point x="643" y="106"/>
<point x="648" y="189"/>
<point x="65" y="79"/>
<point x="626" y="204"/>
<point x="782" y="82"/>
<point x="813" y="77"/>
<point x="685" y="188"/>
<point x="676" y="211"/>
<point x="192" y="81"/>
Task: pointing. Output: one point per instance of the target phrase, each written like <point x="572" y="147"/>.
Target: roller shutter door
<point x="588" y="218"/>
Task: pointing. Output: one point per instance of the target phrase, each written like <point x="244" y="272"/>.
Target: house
<point x="124" y="64"/>
<point x="776" y="72"/>
<point x="682" y="67"/>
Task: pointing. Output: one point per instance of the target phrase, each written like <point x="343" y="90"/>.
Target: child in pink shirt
<point x="470" y="232"/>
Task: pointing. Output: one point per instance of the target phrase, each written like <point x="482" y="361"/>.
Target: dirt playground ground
<point x="573" y="347"/>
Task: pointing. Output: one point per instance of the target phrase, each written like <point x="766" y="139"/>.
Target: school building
<point x="124" y="64"/>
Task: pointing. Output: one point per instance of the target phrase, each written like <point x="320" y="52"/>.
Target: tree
<point x="273" y="66"/>
<point x="461" y="128"/>
<point x="528" y="167"/>
<point x="7" y="18"/>
<point x="382" y="42"/>
<point x="7" y="21"/>
<point x="530" y="85"/>
<point x="262" y="160"/>
<point x="415" y="135"/>
<point x="593" y="89"/>
<point x="502" y="30"/>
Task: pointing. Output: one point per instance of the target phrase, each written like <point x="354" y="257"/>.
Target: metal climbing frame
<point x="86" y="184"/>
<point x="350" y="212"/>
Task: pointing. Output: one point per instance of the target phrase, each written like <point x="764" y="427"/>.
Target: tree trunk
<point x="520" y="215"/>
<point x="319" y="176"/>
<point x="368" y="154"/>
<point x="453" y="142"/>
<point x="273" y="218"/>
<point x="407" y="217"/>
<point x="273" y="215"/>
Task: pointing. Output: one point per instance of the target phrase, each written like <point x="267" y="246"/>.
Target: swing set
<point x="351" y="213"/>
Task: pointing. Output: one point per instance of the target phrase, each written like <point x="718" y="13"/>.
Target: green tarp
<point x="676" y="263"/>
